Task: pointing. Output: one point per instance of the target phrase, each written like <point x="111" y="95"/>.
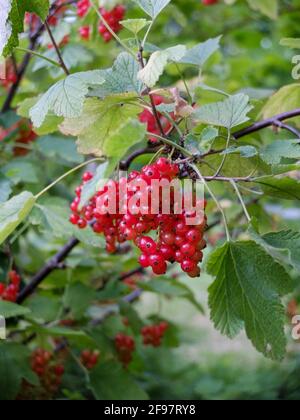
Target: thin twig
<point x="56" y="47"/>
<point x="266" y="123"/>
<point x="287" y="127"/>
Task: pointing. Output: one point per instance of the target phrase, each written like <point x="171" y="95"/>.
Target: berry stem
<point x="233" y="183"/>
<point x="195" y="168"/>
<point x="173" y="144"/>
<point x="56" y="47"/>
<point x="225" y="155"/>
<point x="65" y="175"/>
<point x="32" y="52"/>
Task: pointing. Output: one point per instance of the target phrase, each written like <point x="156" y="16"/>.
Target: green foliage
<point x="246" y="292"/>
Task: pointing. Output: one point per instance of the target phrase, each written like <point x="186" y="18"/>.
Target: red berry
<point x="188" y="249"/>
<point x="147" y="245"/>
<point x="188" y="266"/>
<point x="144" y="261"/>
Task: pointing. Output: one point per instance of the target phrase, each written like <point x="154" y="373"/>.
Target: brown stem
<point x="266" y="123"/>
<point x="56" y="47"/>
<point x="48" y="268"/>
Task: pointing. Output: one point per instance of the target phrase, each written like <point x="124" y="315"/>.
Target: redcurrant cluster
<point x="49" y="372"/>
<point x="11" y="291"/>
<point x="147" y="117"/>
<point x="176" y="241"/>
<point x="89" y="358"/>
<point x="112" y="17"/>
<point x="153" y="334"/>
<point x="125" y="346"/>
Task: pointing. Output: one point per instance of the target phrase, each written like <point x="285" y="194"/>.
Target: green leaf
<point x="284" y="188"/>
<point x="106" y="127"/>
<point x="78" y="298"/>
<point x="14" y="366"/>
<point x="13" y="212"/>
<point x="229" y="113"/>
<point x="10" y="310"/>
<point x="76" y="336"/>
<point x="109" y="381"/>
<point x="277" y="150"/>
<point x="199" y="54"/>
<point x="283" y="246"/>
<point x="244" y="151"/>
<point x="5" y="188"/>
<point x="66" y="97"/>
<point x="58" y="147"/>
<point x="171" y="287"/>
<point x="13" y="24"/>
<point x="267" y="7"/>
<point x="56" y="218"/>
<point x="135" y="25"/>
<point x="246" y="292"/>
<point x="72" y="54"/>
<point x="20" y="170"/>
<point x="209" y="134"/>
<point x="286" y="99"/>
<point x="120" y="78"/>
<point x="51" y="122"/>
<point x="152" y="7"/>
<point x="151" y="73"/>
<point x="43" y="308"/>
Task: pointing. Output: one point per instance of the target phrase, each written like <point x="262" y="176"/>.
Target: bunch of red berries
<point x="11" y="291"/>
<point x="153" y="334"/>
<point x="133" y="218"/>
<point x="49" y="372"/>
<point x="89" y="358"/>
<point x="147" y="117"/>
<point x="112" y="17"/>
<point x="125" y="346"/>
<point x="83" y="6"/>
